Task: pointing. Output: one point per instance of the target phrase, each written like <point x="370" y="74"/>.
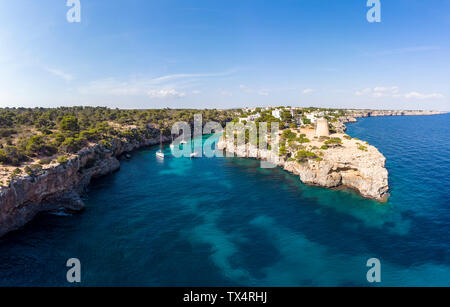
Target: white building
<point x="250" y="118"/>
<point x="312" y="117"/>
<point x="276" y="114"/>
<point x="254" y="116"/>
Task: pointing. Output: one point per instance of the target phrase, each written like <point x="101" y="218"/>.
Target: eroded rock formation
<point x="60" y="186"/>
<point x="349" y="165"/>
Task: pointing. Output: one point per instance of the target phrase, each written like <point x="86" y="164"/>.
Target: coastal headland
<point x="328" y="161"/>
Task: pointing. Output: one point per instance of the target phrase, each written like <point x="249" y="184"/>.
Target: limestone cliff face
<point x="375" y="113"/>
<point x="60" y="186"/>
<point x="345" y="166"/>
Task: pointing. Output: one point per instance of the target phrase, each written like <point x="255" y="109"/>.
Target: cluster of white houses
<point x="297" y="114"/>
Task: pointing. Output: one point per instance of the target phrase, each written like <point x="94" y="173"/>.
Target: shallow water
<point x="227" y="222"/>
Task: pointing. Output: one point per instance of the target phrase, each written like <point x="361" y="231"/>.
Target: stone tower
<point x="322" y="128"/>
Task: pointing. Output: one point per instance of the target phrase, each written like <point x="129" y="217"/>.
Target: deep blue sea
<point x="227" y="222"/>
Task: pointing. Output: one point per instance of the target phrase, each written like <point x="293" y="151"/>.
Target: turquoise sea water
<point x="227" y="222"/>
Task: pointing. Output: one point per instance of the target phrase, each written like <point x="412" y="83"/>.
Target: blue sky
<point x="225" y="53"/>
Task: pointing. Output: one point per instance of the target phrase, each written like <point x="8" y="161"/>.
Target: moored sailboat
<point x="172" y="146"/>
<point x="194" y="154"/>
<point x="160" y="152"/>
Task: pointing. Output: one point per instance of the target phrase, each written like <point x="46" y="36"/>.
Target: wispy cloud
<point x="113" y="87"/>
<point x="260" y="92"/>
<point x="403" y="50"/>
<point x="394" y="91"/>
<point x="59" y="73"/>
<point x="184" y="76"/>
<point x="307" y="91"/>
<point x="416" y="95"/>
<point x="165" y="93"/>
<point x="168" y="86"/>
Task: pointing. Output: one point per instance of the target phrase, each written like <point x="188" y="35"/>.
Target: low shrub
<point x="62" y="159"/>
<point x="45" y="161"/>
<point x="16" y="172"/>
<point x="304" y="155"/>
<point x="334" y="141"/>
<point x="362" y="147"/>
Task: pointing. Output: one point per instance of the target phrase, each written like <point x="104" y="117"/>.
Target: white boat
<point x="183" y="142"/>
<point x="160" y="153"/>
<point x="172" y="146"/>
<point x="194" y="154"/>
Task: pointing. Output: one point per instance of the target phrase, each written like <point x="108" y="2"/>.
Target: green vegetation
<point x="62" y="159"/>
<point x="288" y="135"/>
<point x="302" y="139"/>
<point x="286" y="116"/>
<point x="267" y="117"/>
<point x="283" y="150"/>
<point x="304" y="155"/>
<point x="69" y="123"/>
<point x="362" y="147"/>
<point x="6" y="132"/>
<point x="16" y="172"/>
<point x="33" y="170"/>
<point x="294" y="143"/>
<point x="45" y="161"/>
<point x="11" y="155"/>
<point x="306" y="121"/>
<point x="334" y="142"/>
<point x="27" y="134"/>
<point x="347" y="137"/>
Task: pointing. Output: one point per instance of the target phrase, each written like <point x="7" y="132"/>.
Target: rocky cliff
<point x="376" y="113"/>
<point x="60" y="186"/>
<point x="351" y="165"/>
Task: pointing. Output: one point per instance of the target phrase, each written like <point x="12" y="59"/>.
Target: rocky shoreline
<point x="345" y="166"/>
<point x="354" y="164"/>
<point x="60" y="187"/>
